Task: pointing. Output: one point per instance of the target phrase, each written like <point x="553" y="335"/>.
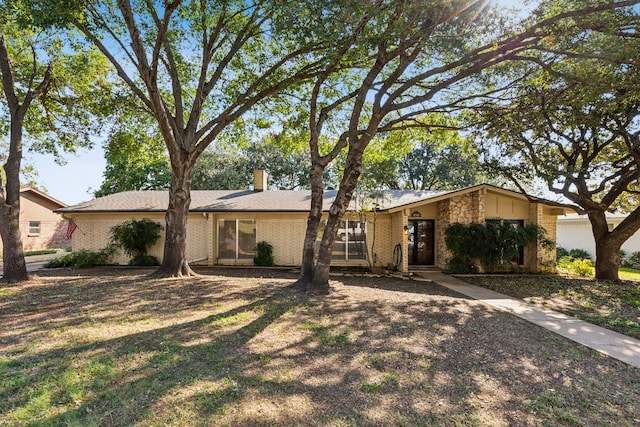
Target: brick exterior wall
<point x="285" y="231"/>
<point x="53" y="227"/>
<point x="93" y="233"/>
<point x="276" y="232"/>
<point x="542" y="259"/>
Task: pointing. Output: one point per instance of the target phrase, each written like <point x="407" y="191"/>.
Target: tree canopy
<point x="353" y="70"/>
<point x="435" y="158"/>
<point x="422" y="57"/>
<point x="573" y="122"/>
<point x="50" y="101"/>
<point x="197" y="67"/>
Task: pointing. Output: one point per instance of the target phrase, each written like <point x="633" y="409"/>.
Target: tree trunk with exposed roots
<point x="174" y="260"/>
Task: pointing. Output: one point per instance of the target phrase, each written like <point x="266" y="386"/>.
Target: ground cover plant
<point x="110" y="346"/>
<point x="612" y="305"/>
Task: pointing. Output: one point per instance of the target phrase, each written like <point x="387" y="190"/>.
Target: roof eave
<point x="44" y="196"/>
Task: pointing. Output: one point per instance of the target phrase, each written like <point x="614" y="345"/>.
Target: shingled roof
<point x="236" y="201"/>
<point x="267" y="201"/>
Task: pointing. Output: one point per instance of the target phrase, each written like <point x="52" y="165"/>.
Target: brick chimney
<point x="259" y="180"/>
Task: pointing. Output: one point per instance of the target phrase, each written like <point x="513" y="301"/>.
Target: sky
<point x="76" y="181"/>
<point x="72" y="182"/>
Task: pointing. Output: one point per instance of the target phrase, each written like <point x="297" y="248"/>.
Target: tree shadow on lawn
<point x="364" y="355"/>
<point x="548" y="285"/>
<point x="63" y="299"/>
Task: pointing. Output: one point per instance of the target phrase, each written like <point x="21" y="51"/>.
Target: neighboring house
<point x="574" y="232"/>
<point x="407" y="228"/>
<point x="40" y="226"/>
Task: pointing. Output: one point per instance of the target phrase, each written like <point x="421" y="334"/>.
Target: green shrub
<point x="460" y="265"/>
<point x="577" y="266"/>
<point x="579" y="254"/>
<point x="83" y="259"/>
<point x="264" y="254"/>
<point x="40" y="252"/>
<point x="632" y="261"/>
<point x="135" y="237"/>
<point x="561" y="252"/>
<point x="494" y="245"/>
<point x="144" y="261"/>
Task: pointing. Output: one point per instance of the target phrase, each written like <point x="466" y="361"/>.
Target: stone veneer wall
<point x="542" y="260"/>
<point x="465" y="209"/>
<point x="443" y="221"/>
<point x="469" y="208"/>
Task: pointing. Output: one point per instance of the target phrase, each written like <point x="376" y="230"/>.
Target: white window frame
<point x="34" y="230"/>
<point x="344" y="225"/>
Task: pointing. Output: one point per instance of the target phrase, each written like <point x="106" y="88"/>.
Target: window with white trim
<point x="34" y="228"/>
<point x="236" y="238"/>
<point x="350" y="241"/>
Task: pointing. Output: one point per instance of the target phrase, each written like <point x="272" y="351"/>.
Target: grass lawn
<point x="612" y="305"/>
<point x="629" y="274"/>
<point x="111" y="347"/>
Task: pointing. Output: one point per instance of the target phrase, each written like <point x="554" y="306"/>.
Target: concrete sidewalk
<point x="605" y="341"/>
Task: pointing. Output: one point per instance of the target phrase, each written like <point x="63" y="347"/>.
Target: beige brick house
<point x="40" y="226"/>
<point x="406" y="229"/>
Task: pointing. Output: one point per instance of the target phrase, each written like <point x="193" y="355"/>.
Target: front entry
<point x="421" y="242"/>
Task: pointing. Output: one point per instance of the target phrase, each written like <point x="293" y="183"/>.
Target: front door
<point x="421" y="242"/>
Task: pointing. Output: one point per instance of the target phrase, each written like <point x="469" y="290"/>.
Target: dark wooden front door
<point x="421" y="242"/>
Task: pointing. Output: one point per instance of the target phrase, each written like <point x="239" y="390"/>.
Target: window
<point x="34" y="228"/>
<point x="515" y="223"/>
<point x="236" y="238"/>
<point x="350" y="241"/>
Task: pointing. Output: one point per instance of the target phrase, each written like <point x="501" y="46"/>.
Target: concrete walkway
<point x="608" y="342"/>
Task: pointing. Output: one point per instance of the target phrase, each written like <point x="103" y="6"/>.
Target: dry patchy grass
<point x="612" y="305"/>
<point x="237" y="347"/>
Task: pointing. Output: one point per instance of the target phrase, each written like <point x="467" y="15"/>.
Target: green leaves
<point x="136" y="237"/>
<point x="496" y="245"/>
<point x="136" y="158"/>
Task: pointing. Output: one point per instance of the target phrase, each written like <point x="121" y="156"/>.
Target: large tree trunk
<point x="174" y="260"/>
<point x="14" y="265"/>
<point x="353" y="168"/>
<point x="313" y="225"/>
<point x="319" y="283"/>
<point x="608" y="244"/>
<point x="607" y="259"/>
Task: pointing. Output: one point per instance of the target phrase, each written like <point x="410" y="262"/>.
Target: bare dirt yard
<point x="237" y="347"/>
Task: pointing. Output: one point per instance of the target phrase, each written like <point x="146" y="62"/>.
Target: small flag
<point x="71" y="227"/>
